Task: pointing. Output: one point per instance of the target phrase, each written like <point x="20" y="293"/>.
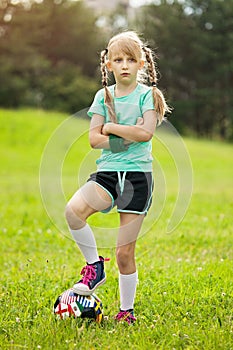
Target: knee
<point x="74" y="217"/>
<point x="69" y="212"/>
<point x="124" y="256"/>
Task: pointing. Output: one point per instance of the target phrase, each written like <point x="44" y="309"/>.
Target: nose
<point x="125" y="64"/>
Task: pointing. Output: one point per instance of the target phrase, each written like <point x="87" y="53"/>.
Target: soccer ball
<point x="70" y="304"/>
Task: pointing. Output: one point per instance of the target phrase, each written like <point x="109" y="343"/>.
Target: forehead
<point x="123" y="47"/>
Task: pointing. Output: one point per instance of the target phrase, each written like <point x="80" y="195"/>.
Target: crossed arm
<point x="141" y="132"/>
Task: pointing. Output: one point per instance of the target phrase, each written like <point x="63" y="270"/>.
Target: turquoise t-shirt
<point x="128" y="109"/>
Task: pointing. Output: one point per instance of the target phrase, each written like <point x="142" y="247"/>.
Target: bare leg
<point x="88" y="200"/>
<point x="130" y="225"/>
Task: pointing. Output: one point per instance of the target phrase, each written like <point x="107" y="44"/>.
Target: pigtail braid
<point x="160" y="104"/>
<point x="108" y="99"/>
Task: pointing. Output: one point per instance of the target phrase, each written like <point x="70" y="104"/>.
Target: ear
<point x="109" y="66"/>
<point x="141" y="64"/>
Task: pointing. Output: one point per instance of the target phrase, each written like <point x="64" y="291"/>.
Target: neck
<point x="124" y="90"/>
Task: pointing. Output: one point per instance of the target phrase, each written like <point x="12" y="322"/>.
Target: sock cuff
<point x="129" y="277"/>
<point x="80" y="230"/>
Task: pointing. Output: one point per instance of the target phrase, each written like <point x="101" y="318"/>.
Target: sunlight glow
<point x="138" y="3"/>
<point x="7" y="17"/>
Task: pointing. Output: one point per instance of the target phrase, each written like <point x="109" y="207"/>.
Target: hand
<point x="106" y="129"/>
<point x="140" y="121"/>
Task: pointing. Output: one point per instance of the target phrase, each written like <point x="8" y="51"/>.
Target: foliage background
<point x="50" y="55"/>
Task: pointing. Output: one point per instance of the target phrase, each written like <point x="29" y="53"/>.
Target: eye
<point x="132" y="59"/>
<point x="117" y="60"/>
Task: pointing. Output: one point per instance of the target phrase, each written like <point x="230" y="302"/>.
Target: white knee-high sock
<point x="127" y="285"/>
<point x="85" y="240"/>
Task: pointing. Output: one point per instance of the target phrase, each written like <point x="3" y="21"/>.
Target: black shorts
<point x="131" y="191"/>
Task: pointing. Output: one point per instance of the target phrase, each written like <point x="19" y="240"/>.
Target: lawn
<point x="185" y="292"/>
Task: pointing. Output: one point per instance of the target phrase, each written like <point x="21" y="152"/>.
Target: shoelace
<point x="88" y="273"/>
<point x="125" y="316"/>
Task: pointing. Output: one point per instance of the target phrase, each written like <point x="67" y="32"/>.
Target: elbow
<point x="95" y="143"/>
<point x="92" y="142"/>
<point x="142" y="134"/>
<point x="145" y="137"/>
<point x="148" y="137"/>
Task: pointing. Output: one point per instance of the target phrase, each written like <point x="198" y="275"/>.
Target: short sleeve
<point x="97" y="106"/>
<point x="147" y="102"/>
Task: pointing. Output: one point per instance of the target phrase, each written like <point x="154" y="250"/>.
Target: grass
<point x="185" y="294"/>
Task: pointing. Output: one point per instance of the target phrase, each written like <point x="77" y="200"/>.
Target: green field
<point x="185" y="292"/>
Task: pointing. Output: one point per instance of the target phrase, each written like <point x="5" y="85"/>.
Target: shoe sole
<point x="90" y="291"/>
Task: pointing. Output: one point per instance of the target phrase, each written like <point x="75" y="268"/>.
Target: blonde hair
<point x="130" y="44"/>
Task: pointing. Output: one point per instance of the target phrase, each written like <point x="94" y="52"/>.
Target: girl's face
<point x="124" y="67"/>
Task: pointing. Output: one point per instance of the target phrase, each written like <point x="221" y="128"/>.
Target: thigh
<point x="89" y="199"/>
<point x="130" y="225"/>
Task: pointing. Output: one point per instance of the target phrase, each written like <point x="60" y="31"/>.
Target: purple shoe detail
<point x="126" y="315"/>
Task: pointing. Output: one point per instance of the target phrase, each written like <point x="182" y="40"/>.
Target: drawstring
<point x="121" y="180"/>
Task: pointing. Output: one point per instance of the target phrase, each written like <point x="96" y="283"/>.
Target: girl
<point x="123" y="120"/>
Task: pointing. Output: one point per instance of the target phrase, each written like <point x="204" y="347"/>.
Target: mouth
<point x="125" y="74"/>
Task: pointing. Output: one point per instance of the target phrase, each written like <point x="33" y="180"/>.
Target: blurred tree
<point x="49" y="56"/>
<point x="69" y="33"/>
<point x="214" y="20"/>
<point x="195" y="59"/>
<point x="44" y="45"/>
<point x="67" y="89"/>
